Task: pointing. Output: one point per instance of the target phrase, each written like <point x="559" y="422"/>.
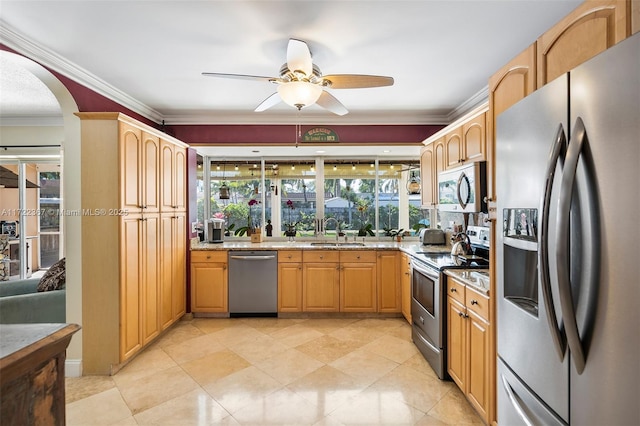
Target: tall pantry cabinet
<point x="133" y="237"/>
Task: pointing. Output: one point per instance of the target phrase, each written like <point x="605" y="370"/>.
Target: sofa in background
<point x="20" y="302"/>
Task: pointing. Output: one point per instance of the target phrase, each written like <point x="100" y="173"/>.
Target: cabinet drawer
<point x="358" y="256"/>
<point x="455" y="290"/>
<point x="285" y="256"/>
<point x="208" y="256"/>
<point x="478" y="303"/>
<point x="321" y="256"/>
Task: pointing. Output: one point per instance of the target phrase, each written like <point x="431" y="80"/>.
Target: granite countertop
<point x="478" y="279"/>
<point x="407" y="246"/>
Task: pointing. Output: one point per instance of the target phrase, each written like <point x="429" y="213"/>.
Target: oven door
<point x="426" y="309"/>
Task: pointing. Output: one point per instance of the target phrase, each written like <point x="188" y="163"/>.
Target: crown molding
<point x="51" y="60"/>
<point x="474" y="102"/>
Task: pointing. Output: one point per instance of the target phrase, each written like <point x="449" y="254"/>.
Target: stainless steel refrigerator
<point x="568" y="256"/>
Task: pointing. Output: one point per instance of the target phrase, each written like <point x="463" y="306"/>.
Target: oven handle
<point x="418" y="266"/>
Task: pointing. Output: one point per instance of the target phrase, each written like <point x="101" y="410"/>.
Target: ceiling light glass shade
<point x="299" y="93"/>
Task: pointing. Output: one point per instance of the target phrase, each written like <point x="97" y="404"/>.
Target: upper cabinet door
<point x="173" y="168"/>
<point x="167" y="172"/>
<point x="180" y="178"/>
<point x="150" y="173"/>
<point x="427" y="176"/>
<point x="453" y="148"/>
<point x="591" y="28"/>
<point x="511" y="83"/>
<point x="474" y="139"/>
<point x="130" y="163"/>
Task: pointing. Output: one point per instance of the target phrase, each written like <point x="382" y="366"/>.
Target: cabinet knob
<point x="453" y="290"/>
<point x="358" y="257"/>
<point x="474" y="302"/>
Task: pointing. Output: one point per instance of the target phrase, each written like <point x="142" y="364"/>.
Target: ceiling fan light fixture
<point x="299" y="94"/>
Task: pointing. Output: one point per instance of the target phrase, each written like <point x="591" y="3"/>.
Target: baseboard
<point x="73" y="368"/>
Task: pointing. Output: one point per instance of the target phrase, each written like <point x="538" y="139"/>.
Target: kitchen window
<point x="366" y="197"/>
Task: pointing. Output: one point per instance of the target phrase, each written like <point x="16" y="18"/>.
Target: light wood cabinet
<point x="358" y="281"/>
<point x="150" y="291"/>
<point x="405" y="285"/>
<point x="510" y="84"/>
<point x="591" y="28"/>
<point x="290" y="281"/>
<point x="173" y="267"/>
<point x="428" y="189"/>
<point x="474" y="139"/>
<point x="130" y="297"/>
<point x="209" y="282"/>
<point x="140" y="165"/>
<point x="470" y="350"/>
<point x="321" y="281"/>
<point x="635" y="16"/>
<point x="389" y="281"/>
<point x="453" y="148"/>
<point x="125" y="253"/>
<point x="466" y="142"/>
<point x="172" y="177"/>
<point x="432" y="162"/>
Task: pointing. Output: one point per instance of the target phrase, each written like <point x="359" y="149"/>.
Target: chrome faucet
<point x="324" y="226"/>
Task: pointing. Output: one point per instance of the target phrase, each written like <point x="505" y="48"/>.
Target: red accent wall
<point x="281" y="134"/>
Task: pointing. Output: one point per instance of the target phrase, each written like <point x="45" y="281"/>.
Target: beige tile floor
<point x="268" y="371"/>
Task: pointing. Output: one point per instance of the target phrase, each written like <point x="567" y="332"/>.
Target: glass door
<point x="29" y="217"/>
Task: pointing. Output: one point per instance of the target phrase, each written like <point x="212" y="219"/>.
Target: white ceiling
<point x="149" y="55"/>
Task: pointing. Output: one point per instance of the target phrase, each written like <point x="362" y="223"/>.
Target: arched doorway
<point x="70" y="161"/>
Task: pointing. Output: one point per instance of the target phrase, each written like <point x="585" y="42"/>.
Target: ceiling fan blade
<point x="299" y="57"/>
<point x="356" y="81"/>
<point x="330" y="103"/>
<point x="269" y="102"/>
<point x="240" y="76"/>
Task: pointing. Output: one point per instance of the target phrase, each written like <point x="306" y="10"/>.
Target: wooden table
<point x="32" y="373"/>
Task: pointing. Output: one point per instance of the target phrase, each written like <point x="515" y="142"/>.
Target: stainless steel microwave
<point x="463" y="189"/>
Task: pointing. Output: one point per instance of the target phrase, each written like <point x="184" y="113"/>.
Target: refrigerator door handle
<point x="578" y="139"/>
<point x="515" y="401"/>
<point x="557" y="334"/>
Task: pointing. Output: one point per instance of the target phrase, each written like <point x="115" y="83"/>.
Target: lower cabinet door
<point x="479" y="359"/>
<point x="321" y="287"/>
<point x="456" y="338"/>
<point x="209" y="287"/>
<point x="358" y="287"/>
<point x="290" y="287"/>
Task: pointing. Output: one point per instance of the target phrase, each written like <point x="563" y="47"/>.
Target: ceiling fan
<point x="301" y="83"/>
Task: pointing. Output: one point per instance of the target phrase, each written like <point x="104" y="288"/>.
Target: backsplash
<point x="446" y="219"/>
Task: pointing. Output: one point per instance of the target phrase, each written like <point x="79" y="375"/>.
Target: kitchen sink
<point x="336" y="244"/>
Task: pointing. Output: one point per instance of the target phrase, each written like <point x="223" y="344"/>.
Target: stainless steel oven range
<point x="428" y="301"/>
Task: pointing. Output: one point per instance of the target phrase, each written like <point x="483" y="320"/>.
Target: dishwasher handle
<point x="253" y="257"/>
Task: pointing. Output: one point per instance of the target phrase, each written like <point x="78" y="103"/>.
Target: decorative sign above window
<point x="320" y="134"/>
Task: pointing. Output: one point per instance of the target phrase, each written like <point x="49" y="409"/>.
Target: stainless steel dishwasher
<point x="253" y="283"/>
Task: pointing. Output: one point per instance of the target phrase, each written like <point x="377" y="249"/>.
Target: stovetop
<point x="441" y="261"/>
